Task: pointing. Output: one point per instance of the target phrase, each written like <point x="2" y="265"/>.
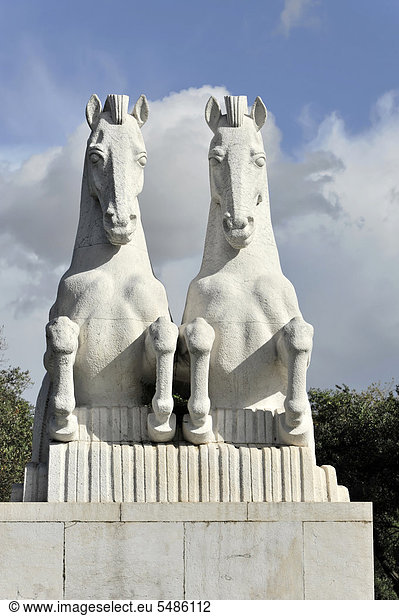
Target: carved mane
<point x="236" y="108"/>
<point x="117" y="105"/>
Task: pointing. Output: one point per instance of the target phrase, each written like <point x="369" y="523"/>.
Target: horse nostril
<point x="227" y="221"/>
<point x="133" y="216"/>
<point x="236" y="223"/>
<point x="259" y="199"/>
<point x="240" y="222"/>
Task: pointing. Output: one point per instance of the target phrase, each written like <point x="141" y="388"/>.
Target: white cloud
<point x="335" y="208"/>
<point x="346" y="267"/>
<point x="295" y="13"/>
<point x="175" y="199"/>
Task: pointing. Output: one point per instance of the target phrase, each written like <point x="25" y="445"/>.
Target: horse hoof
<point x="296" y="410"/>
<point x="198" y="435"/>
<point x="63" y="433"/>
<point x="300" y="435"/>
<point x="161" y="432"/>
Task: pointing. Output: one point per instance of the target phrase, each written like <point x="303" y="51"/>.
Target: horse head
<point x="237" y="165"/>
<point x="115" y="159"/>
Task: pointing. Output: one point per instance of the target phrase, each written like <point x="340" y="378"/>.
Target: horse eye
<point x="142" y="160"/>
<point x="260" y="161"/>
<point x="94" y="157"/>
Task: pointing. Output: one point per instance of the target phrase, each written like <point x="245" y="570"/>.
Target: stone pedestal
<point x="113" y="460"/>
<point x="186" y="551"/>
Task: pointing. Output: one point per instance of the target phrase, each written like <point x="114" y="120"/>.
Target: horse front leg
<point x="197" y="426"/>
<point x="294" y="348"/>
<point x="161" y="340"/>
<point x="62" y="344"/>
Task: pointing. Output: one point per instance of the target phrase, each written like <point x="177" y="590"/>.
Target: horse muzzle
<point x="238" y="230"/>
<point x="120" y="234"/>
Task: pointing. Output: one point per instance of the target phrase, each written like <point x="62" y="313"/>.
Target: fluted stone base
<point x="122" y="424"/>
<point x="114" y="461"/>
<point x="103" y="472"/>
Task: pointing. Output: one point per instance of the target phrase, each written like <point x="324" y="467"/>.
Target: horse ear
<point x="93" y="110"/>
<point x="212" y="113"/>
<point x="259" y="113"/>
<point x="140" y="111"/>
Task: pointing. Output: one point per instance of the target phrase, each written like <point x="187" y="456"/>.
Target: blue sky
<point x="330" y="56"/>
<point x="328" y="74"/>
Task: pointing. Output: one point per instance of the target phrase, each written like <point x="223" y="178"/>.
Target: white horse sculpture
<point x="110" y="336"/>
<point x="242" y="323"/>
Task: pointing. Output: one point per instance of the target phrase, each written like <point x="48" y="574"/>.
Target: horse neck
<point x="92" y="247"/>
<point x="260" y="255"/>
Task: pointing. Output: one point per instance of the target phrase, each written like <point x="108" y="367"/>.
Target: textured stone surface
<point x="338" y="560"/>
<point x="244" y="560"/>
<point x="225" y="512"/>
<point x="243" y="332"/>
<point x="243" y="426"/>
<point x="186" y="550"/>
<point x="36" y="481"/>
<point x="31" y="560"/>
<point x="113" y="424"/>
<point x="124" y="561"/>
<point x="127" y="424"/>
<point x="59" y="512"/>
<point x="254" y="512"/>
<point x="333" y="512"/>
<point x="97" y="471"/>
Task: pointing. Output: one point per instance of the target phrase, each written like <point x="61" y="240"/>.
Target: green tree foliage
<point x="358" y="434"/>
<point x="16" y="421"/>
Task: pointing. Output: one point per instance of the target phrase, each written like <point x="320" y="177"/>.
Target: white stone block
<point x="331" y="512"/>
<point x="186" y="550"/>
<point x="338" y="560"/>
<point x="59" y="512"/>
<point x="172" y="473"/>
<point x="31" y="560"/>
<point x="244" y="560"/>
<point x="180" y="512"/>
<point x="35" y="482"/>
<point x="276" y="474"/>
<point x="127" y="473"/>
<point x="124" y="561"/>
<point x="139" y="474"/>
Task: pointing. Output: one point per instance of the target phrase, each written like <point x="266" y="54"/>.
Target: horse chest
<point x="113" y="315"/>
<point x="103" y="295"/>
<point x="223" y="299"/>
